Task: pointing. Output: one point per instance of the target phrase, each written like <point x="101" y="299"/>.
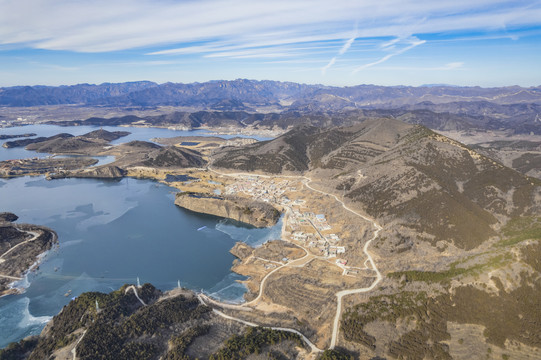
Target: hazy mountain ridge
<point x="289" y="119"/>
<point x="145" y="93"/>
<point x="74" y="94"/>
<point x="268" y="104"/>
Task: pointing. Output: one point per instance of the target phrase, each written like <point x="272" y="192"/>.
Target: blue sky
<point x="341" y="42"/>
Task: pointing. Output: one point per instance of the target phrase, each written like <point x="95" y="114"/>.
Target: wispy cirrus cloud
<point x="103" y="26"/>
<point x="446" y="67"/>
<point x="206" y="33"/>
<point x="342" y="51"/>
<point x="452" y="66"/>
<point x="393" y="45"/>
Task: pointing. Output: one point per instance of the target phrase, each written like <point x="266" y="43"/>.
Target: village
<point x="303" y="226"/>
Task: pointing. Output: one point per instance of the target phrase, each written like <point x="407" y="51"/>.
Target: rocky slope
<point x="172" y="157"/>
<point x="38" y="166"/>
<point x="401" y="174"/>
<point x="110" y="172"/>
<point x="258" y="214"/>
<point x="146" y="154"/>
<point x="169" y="326"/>
<point x="459" y="246"/>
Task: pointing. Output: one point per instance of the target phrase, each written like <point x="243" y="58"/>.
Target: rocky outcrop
<point x="258" y="214"/>
<point x="173" y="157"/>
<point x="100" y="172"/>
<point x="8" y="217"/>
<point x="241" y="250"/>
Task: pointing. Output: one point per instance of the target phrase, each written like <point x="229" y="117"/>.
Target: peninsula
<point x="20" y="248"/>
<point x="255" y="213"/>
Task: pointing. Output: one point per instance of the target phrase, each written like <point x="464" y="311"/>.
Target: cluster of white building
<point x="275" y="192"/>
<point x="328" y="243"/>
<point x="262" y="190"/>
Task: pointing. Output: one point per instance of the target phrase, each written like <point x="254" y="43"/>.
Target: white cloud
<point x="446" y="67"/>
<point x="452" y="66"/>
<point x="411" y="42"/>
<point x="342" y="51"/>
<point x="99" y="25"/>
<point x="346" y="46"/>
<point x="327" y="67"/>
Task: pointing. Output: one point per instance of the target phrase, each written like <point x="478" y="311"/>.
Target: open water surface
<point x="111" y="233"/>
<point x="137" y="133"/>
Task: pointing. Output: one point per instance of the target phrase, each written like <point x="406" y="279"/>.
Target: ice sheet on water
<point x="254" y="236"/>
<point x="28" y="320"/>
<point x="70" y="243"/>
<point x="22" y="284"/>
<point x="229" y="290"/>
<point x="17" y="321"/>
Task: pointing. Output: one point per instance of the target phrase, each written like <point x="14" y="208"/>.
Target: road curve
<point x="340" y="294"/>
<point x="313" y="348"/>
<point x="132" y="287"/>
<point x="35" y="236"/>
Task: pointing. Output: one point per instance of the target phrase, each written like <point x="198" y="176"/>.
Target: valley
<point x="403" y="230"/>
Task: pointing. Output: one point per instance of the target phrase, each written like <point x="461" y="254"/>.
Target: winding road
<point x="313" y="347"/>
<point x="132" y="287"/>
<point x="340" y="294"/>
<point x="34" y="237"/>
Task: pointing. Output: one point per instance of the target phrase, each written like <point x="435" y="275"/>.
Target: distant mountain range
<point x="239" y="93"/>
<point x="518" y="119"/>
<point x="268" y="104"/>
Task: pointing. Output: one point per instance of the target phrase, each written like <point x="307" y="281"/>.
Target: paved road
<point x="313" y="347"/>
<point x="35" y="236"/>
<point x="340" y="294"/>
<point x="132" y="287"/>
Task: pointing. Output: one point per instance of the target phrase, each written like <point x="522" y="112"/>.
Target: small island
<point x="20" y="248"/>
